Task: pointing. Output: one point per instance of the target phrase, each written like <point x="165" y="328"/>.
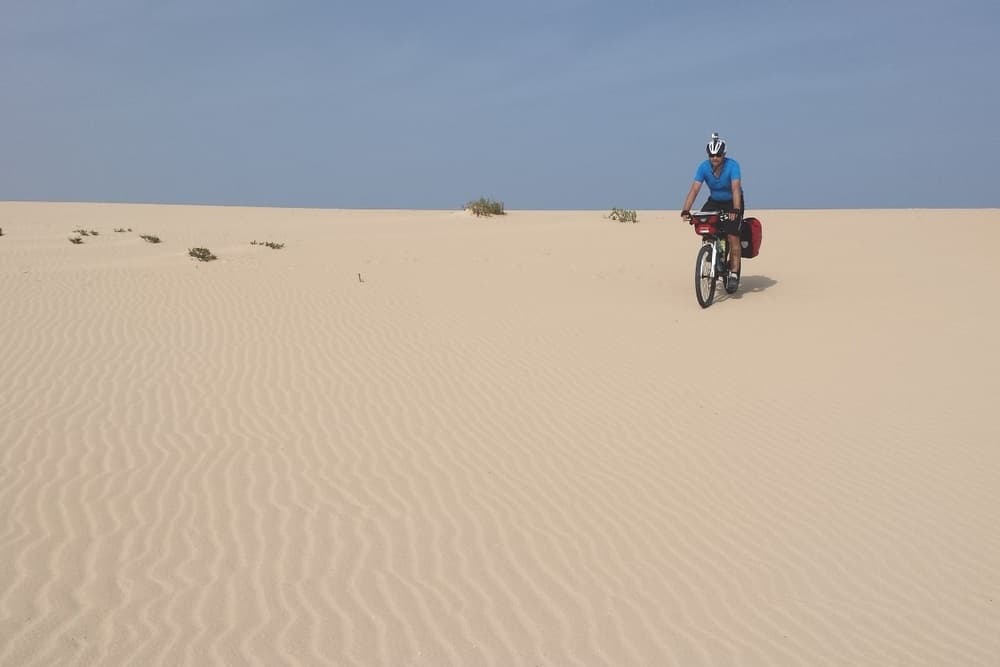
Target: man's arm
<point x="689" y="200"/>
<point x="737" y="195"/>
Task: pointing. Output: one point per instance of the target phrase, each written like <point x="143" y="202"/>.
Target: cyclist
<point x="722" y="175"/>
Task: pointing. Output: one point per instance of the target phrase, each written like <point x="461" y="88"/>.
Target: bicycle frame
<point x="706" y="224"/>
<point x="716" y="244"/>
<point x="712" y="262"/>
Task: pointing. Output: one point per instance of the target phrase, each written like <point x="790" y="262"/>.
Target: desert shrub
<point x="76" y="239"/>
<point x="270" y="244"/>
<point x="202" y="254"/>
<point x="149" y="238"/>
<point x="122" y="229"/>
<point x="623" y="215"/>
<point x="81" y="232"/>
<point x="485" y="207"/>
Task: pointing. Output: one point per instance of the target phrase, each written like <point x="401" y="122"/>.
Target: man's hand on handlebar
<point x="686" y="215"/>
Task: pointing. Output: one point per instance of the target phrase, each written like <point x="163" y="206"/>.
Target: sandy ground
<point x="423" y="438"/>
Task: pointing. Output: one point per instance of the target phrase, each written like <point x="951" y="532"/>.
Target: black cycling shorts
<point x="732" y="226"/>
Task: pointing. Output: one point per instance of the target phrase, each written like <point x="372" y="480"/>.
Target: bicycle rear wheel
<point x="704" y="281"/>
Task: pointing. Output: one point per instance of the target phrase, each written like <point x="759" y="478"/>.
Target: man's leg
<point x="734" y="252"/>
<point x="734" y="256"/>
<point x="734" y="241"/>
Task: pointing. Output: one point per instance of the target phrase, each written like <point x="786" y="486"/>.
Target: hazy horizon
<point x="460" y="207"/>
<point x="557" y="105"/>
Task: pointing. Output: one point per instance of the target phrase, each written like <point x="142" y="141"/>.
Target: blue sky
<point x="544" y="104"/>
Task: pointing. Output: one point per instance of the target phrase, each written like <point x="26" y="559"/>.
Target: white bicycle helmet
<point x="716" y="146"/>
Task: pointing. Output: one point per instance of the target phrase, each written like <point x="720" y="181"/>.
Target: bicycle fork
<point x="717" y="250"/>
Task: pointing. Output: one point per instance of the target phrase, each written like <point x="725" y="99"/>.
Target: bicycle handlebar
<point x="723" y="216"/>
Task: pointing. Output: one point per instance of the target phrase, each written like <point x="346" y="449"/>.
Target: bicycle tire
<point x="704" y="281"/>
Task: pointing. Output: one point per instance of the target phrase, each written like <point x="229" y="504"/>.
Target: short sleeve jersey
<point x="721" y="186"/>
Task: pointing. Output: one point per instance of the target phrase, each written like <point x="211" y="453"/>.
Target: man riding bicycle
<point x="722" y="175"/>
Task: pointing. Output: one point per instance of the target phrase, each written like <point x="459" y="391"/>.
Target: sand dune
<point x="422" y="438"/>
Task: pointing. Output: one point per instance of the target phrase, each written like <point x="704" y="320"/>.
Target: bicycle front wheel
<point x="704" y="281"/>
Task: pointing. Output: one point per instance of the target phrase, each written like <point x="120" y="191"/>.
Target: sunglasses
<point x="714" y="157"/>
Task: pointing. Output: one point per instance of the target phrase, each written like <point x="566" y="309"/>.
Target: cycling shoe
<point x="732" y="282"/>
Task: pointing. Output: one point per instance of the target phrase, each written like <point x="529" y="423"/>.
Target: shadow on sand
<point x="751" y="284"/>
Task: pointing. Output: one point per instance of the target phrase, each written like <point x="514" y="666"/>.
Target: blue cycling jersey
<point x="721" y="186"/>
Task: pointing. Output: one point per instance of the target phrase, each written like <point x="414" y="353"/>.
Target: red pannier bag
<point x="750" y="234"/>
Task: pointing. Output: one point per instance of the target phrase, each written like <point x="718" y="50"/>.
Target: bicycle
<point x="713" y="260"/>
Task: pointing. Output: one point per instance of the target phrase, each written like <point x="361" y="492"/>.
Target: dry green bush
<point x="149" y="238"/>
<point x="202" y="254"/>
<point x="270" y="244"/>
<point x="623" y="215"/>
<point x="485" y="206"/>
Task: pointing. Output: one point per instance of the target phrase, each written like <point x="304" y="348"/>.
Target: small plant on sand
<point x="270" y="244"/>
<point x="122" y="229"/>
<point x="202" y="254"/>
<point x="1" y="231"/>
<point x="485" y="207"/>
<point x="623" y="215"/>
<point x="76" y="239"/>
<point x="81" y="232"/>
<point x="149" y="238"/>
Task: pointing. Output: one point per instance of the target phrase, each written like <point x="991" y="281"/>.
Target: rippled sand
<point x="423" y="438"/>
